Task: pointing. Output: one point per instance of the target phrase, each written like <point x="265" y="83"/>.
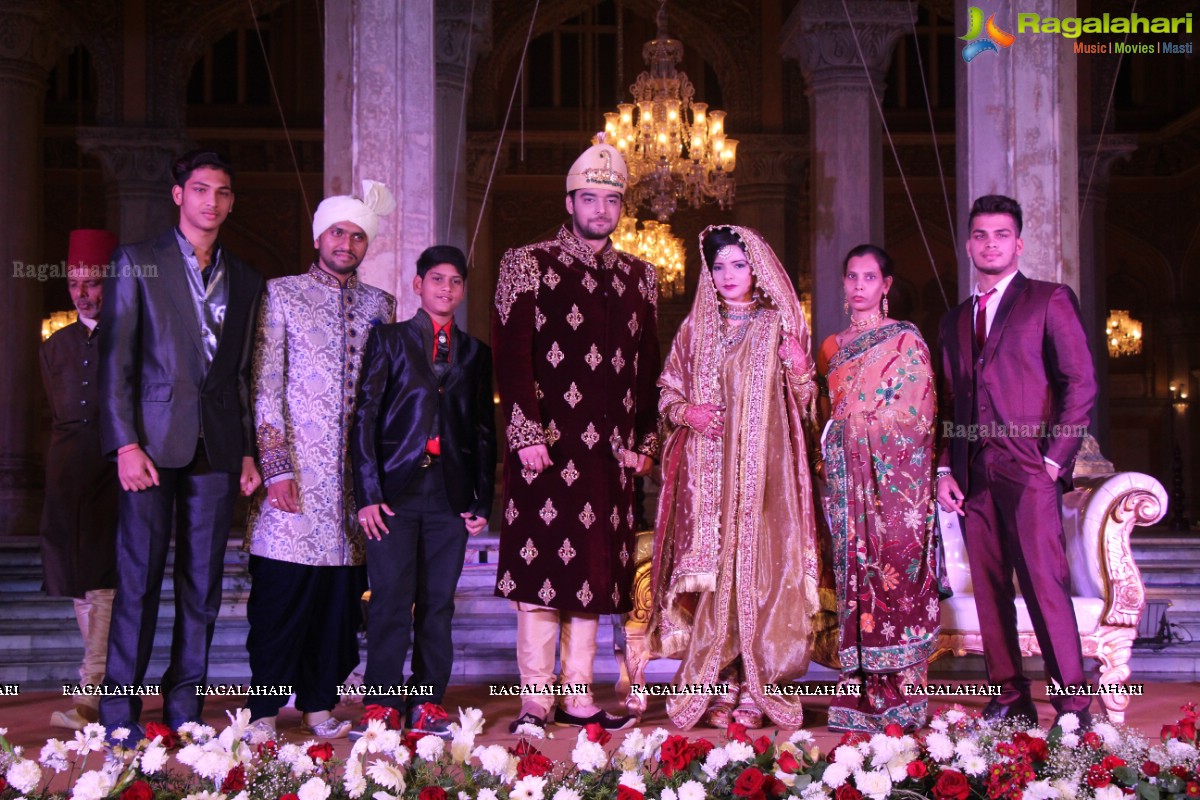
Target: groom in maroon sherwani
<point x="1017" y="387"/>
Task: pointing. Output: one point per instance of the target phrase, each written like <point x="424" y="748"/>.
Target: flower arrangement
<point x="959" y="756"/>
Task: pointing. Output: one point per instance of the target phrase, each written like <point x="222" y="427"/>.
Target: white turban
<point x="364" y="213"/>
<point x="599" y="167"/>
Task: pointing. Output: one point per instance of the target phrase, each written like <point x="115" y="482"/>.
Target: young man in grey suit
<point x="176" y="332"/>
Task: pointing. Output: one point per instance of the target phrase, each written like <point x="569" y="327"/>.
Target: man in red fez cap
<point x="79" y="519"/>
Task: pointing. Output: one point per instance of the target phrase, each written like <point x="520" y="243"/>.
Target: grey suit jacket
<point x="153" y="378"/>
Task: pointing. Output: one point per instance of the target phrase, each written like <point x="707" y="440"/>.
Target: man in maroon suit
<point x="1017" y="387"/>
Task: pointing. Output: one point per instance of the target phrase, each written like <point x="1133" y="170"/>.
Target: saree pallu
<point x="879" y="504"/>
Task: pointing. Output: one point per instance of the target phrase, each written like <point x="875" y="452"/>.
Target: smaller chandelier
<point x="1124" y="334"/>
<point x="56" y="322"/>
<point x="676" y="149"/>
<point x="654" y="243"/>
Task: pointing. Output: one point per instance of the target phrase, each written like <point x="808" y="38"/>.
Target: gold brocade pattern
<point x="555" y="356"/>
<point x="522" y="432"/>
<point x="569" y="473"/>
<point x="574" y="318"/>
<point x="566" y="552"/>
<point x="518" y="273"/>
<point x="593" y="357"/>
<point x="587" y="516"/>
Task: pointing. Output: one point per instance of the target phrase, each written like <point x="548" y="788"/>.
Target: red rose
<point x="169" y="739"/>
<point x="1038" y="750"/>
<point x="1093" y="740"/>
<point x="917" y="770"/>
<point x="1112" y="762"/>
<point x="321" y="752"/>
<point x="737" y="732"/>
<point x="1187" y="729"/>
<point x="1179" y="772"/>
<point x="534" y="764"/>
<point x="268" y="749"/>
<point x="894" y="730"/>
<point x="1169" y="732"/>
<point x="524" y="748"/>
<point x="1097" y="777"/>
<point x="761" y="745"/>
<point x="289" y="796"/>
<point x="597" y="734"/>
<point x="138" y="790"/>
<point x="674" y="755"/>
<point x="411" y="738"/>
<point x="625" y="793"/>
<point x="951" y="785"/>
<point x="699" y="748"/>
<point x="1193" y="789"/>
<point x="847" y="792"/>
<point x="432" y="793"/>
<point x="1150" y="768"/>
<point x="234" y="781"/>
<point x="786" y="762"/>
<point x="749" y="783"/>
<point x="389" y="715"/>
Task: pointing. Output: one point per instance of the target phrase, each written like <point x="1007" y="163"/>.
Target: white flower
<point x="493" y="759"/>
<point x="1180" y="750"/>
<point x="692" y="790"/>
<point x="941" y="749"/>
<point x="242" y="795"/>
<point x="966" y="748"/>
<point x="653" y="742"/>
<point x="668" y="794"/>
<point x="384" y="796"/>
<point x="387" y="775"/>
<point x="954" y="716"/>
<point x="739" y="751"/>
<point x="355" y="786"/>
<point x="1108" y="733"/>
<point x="470" y="721"/>
<point x="813" y="791"/>
<point x="190" y="754"/>
<point x="430" y="748"/>
<point x="801" y="738"/>
<point x="528" y="731"/>
<point x="531" y="787"/>
<point x="303" y="765"/>
<point x="849" y="757"/>
<point x="54" y="755"/>
<point x="197" y="731"/>
<point x="1040" y="790"/>
<point x="1109" y="792"/>
<point x="974" y="765"/>
<point x="314" y="789"/>
<point x="370" y="741"/>
<point x="1069" y="724"/>
<point x="835" y="775"/>
<point x="1070" y="740"/>
<point x="633" y="744"/>
<point x="153" y="759"/>
<point x="875" y="784"/>
<point x="487" y="794"/>
<point x="632" y="780"/>
<point x="588" y="756"/>
<point x="939" y="724"/>
<point x="24" y="775"/>
<point x="461" y="746"/>
<point x="714" y="762"/>
<point x="205" y="796"/>
<point x="563" y="793"/>
<point x="1066" y="788"/>
<point x="883" y="748"/>
<point x="93" y="785"/>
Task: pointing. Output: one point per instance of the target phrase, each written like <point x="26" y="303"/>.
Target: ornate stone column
<point x="1096" y="158"/>
<point x="1017" y="135"/>
<point x="27" y="51"/>
<point x="769" y="170"/>
<point x="380" y="123"/>
<point x="831" y="40"/>
<point x="136" y="163"/>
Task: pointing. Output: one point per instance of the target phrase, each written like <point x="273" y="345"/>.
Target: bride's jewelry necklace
<point x="869" y="322"/>
<point x="738" y="312"/>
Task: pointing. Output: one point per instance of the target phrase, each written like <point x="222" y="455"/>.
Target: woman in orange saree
<point x="735" y="573"/>
<point x="878" y="497"/>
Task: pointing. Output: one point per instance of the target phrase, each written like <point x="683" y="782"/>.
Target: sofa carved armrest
<point x="632" y="662"/>
<point x="1107" y="593"/>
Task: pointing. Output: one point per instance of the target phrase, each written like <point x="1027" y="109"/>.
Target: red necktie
<point x="981" y="317"/>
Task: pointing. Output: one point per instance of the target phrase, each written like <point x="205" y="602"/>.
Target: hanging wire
<point x="279" y="105"/>
<point x="895" y="155"/>
<point x="462" y="122"/>
<point x="937" y="153"/>
<point x="500" y="141"/>
<point x="1087" y="192"/>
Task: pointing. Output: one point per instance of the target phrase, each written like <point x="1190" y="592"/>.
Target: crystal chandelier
<point x="1124" y="334"/>
<point x="675" y="148"/>
<point x="654" y="243"/>
<point x="56" y="322"/>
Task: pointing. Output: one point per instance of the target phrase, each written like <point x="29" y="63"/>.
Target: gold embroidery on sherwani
<point x="552" y="433"/>
<point x="585" y="594"/>
<point x="555" y="356"/>
<point x="569" y="473"/>
<point x="548" y="512"/>
<point x="615" y="518"/>
<point x="587" y="517"/>
<point x="518" y="273"/>
<point x="539" y="319"/>
<point x="273" y="456"/>
<point x="618" y="361"/>
<point x="589" y="436"/>
<point x="566" y="552"/>
<point x="511" y="512"/>
<point x="529" y="552"/>
<point x="551" y="278"/>
<point x="628" y="401"/>
<point x="506" y="584"/>
<point x="546" y="593"/>
<point x="522" y="432"/>
<point x="616" y="595"/>
<point x="624" y="554"/>
<point x="573" y="396"/>
<point x="633" y="325"/>
<point x="593" y="358"/>
<point x="618" y="285"/>
<point x="574" y="318"/>
<point x="590" y="283"/>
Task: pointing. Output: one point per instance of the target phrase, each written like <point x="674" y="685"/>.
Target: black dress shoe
<point x="526" y="719"/>
<point x="602" y="718"/>
<point x="1085" y="719"/>
<point x="1023" y="711"/>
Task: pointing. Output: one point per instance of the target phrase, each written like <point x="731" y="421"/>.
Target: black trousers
<point x="304" y="624"/>
<point x="199" y="500"/>
<point x="414" y="572"/>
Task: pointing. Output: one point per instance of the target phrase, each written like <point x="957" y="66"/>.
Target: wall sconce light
<point x="1179" y="395"/>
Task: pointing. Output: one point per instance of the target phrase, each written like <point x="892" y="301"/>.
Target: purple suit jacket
<point x="1035" y="385"/>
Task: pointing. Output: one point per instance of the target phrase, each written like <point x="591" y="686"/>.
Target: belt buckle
<point x="426" y="461"/>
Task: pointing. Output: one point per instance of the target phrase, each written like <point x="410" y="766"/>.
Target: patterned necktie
<point x="981" y="318"/>
<point x="441" y="353"/>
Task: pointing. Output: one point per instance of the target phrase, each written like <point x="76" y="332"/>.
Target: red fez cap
<point x="90" y="248"/>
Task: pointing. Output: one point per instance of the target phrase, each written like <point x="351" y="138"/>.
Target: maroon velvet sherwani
<point x="1022" y="398"/>
<point x="575" y="338"/>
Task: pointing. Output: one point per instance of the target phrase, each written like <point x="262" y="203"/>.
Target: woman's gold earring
<point x="885" y="305"/>
<point x="846" y="307"/>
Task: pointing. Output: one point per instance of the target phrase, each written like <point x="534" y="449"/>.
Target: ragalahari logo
<point x="976" y="28"/>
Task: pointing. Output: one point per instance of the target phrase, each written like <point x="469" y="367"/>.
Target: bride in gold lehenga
<point x="736" y="564"/>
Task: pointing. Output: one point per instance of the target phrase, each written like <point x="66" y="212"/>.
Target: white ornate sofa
<point x="1106" y="585"/>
